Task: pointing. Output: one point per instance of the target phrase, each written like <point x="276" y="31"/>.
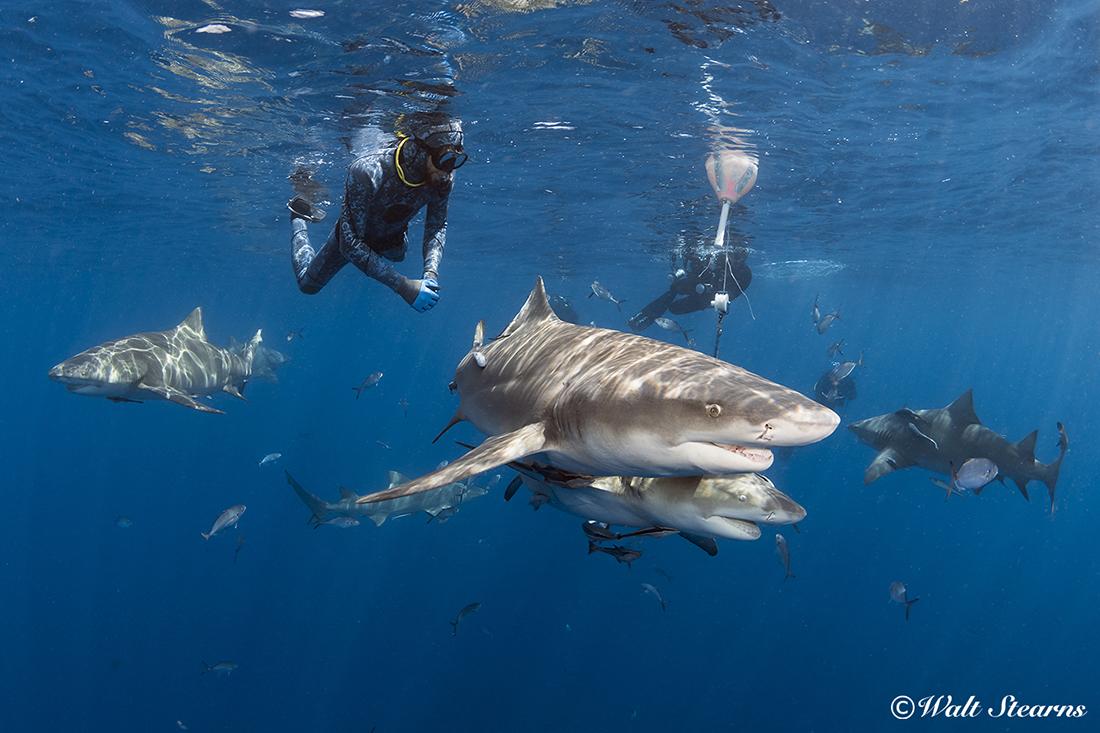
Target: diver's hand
<point x="422" y="295"/>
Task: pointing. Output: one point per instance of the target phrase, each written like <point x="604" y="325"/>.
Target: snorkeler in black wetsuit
<point x="385" y="188"/>
<point x="695" y="283"/>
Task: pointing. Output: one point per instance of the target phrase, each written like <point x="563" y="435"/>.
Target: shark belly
<point x="602" y="506"/>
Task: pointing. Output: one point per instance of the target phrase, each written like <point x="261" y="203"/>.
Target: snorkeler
<point x="384" y="190"/>
<point x="695" y="282"/>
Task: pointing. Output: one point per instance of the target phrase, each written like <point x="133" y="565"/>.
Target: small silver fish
<point x="371" y="380"/>
<point x="291" y="335"/>
<point x="815" y="312"/>
<point x="974" y="474"/>
<point x="652" y="590"/>
<point x="844" y="369"/>
<point x="899" y="594"/>
<point x="826" y="321"/>
<point x="123" y="522"/>
<point x="228" y="518"/>
<point x="224" y="668"/>
<point x="784" y="553"/>
<point x="670" y="325"/>
<point x="270" y="458"/>
<point x="836" y="347"/>
<point x="603" y="293"/>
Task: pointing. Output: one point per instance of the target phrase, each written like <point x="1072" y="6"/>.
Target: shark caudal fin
<point x="1049" y="472"/>
<point x="495" y="451"/>
<point x="316" y="505"/>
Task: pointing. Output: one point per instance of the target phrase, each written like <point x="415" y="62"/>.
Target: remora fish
<point x="228" y="518"/>
<point x="177" y="365"/>
<point x="951" y="435"/>
<point x="466" y="611"/>
<point x="620" y="553"/>
<point x="598" y="402"/>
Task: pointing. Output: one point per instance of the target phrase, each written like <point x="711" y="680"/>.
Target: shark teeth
<point x="757" y="455"/>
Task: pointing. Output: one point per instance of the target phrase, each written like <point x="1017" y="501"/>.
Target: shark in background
<point x="599" y="402"/>
<point x="943" y="439"/>
<point x="179" y="365"/>
<point x="440" y="504"/>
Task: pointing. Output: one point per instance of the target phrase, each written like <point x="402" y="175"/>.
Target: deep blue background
<point x="945" y="154"/>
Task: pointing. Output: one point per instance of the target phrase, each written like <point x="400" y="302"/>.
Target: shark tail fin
<point x="908" y="605"/>
<point x="1050" y="473"/>
<point x="205" y="535"/>
<point x="315" y="504"/>
<point x="265" y="362"/>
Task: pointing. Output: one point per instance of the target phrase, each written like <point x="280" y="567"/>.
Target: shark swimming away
<point x="440" y="504"/>
<point x="599" y="402"/>
<point x="178" y="365"/>
<point x="944" y="439"/>
<point x="700" y="508"/>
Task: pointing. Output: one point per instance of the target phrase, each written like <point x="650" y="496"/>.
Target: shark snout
<point x="55" y="372"/>
<point x="782" y="509"/>
<point x="802" y="425"/>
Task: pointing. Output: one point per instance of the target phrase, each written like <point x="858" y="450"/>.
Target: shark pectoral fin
<point x="707" y="544"/>
<point x="513" y="487"/>
<point x="180" y="398"/>
<point x="378" y="519"/>
<point x="234" y="390"/>
<point x="885" y="462"/>
<point x="495" y="451"/>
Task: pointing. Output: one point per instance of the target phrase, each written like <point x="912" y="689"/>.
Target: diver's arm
<point x="435" y="235"/>
<point x="359" y="190"/>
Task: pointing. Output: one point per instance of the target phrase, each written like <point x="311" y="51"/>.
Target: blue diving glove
<point x="427" y="296"/>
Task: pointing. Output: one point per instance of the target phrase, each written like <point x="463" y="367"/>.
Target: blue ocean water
<point x="929" y="168"/>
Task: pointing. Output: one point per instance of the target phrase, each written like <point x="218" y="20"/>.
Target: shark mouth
<point x="761" y="456"/>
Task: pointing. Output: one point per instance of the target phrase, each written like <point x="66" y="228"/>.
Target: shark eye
<point x="742" y="498"/>
<point x="714" y="410"/>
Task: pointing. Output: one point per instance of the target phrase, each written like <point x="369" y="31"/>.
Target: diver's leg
<point x="643" y="319"/>
<point x="313" y="269"/>
<point x="690" y="303"/>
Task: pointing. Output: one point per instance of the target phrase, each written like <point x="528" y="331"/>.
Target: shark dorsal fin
<point x="1027" y="445"/>
<point x="346" y="493"/>
<point x="193" y="322"/>
<point x="962" y="409"/>
<point x="479" y="336"/>
<point x="536" y="309"/>
<point x="396" y="478"/>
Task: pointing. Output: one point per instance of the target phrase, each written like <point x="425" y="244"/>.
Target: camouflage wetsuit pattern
<point x="372" y="230"/>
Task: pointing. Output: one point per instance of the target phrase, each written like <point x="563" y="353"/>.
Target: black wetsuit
<point x="704" y="276"/>
<point x="373" y="225"/>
